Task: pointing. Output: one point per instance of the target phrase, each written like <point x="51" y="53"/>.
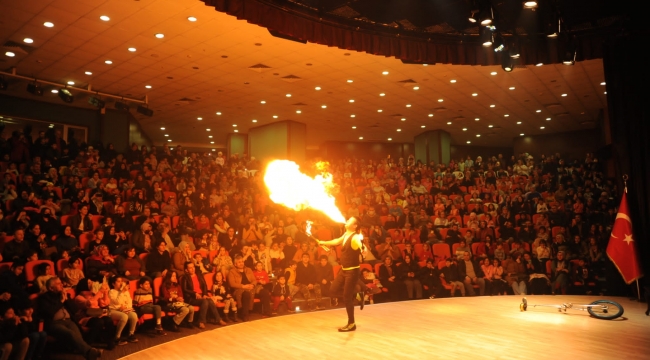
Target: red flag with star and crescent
<point x="622" y="247"/>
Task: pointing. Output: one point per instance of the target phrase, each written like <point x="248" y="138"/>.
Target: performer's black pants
<point x="346" y="280"/>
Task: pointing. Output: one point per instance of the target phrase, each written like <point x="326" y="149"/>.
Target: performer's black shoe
<point x="362" y="302"/>
<point x="348" y="327"/>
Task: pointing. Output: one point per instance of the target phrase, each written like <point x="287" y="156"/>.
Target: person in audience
<point x="171" y="300"/>
<point x="13" y="334"/>
<point x="195" y="292"/>
<point x="516" y="274"/>
<point x="181" y="256"/>
<point x="92" y="301"/>
<point x="223" y="294"/>
<point x="17" y="248"/>
<point x="561" y="272"/>
<point x="388" y="276"/>
<point x="55" y="309"/>
<point x="281" y="294"/>
<point x="470" y="273"/>
<point x="408" y="270"/>
<point x="306" y="281"/>
<point x="158" y="261"/>
<point x="450" y="275"/>
<point x="43" y="272"/>
<point x="388" y="248"/>
<point x="130" y="265"/>
<point x="143" y="302"/>
<point x="242" y="280"/>
<point x="121" y="308"/>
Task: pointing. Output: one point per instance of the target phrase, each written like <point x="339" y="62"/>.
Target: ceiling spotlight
<point x="209" y="136"/>
<point x="159" y="35"/>
<point x="408" y="105"/>
<point x="398" y="130"/>
<point x="487" y="38"/>
<point x="416" y="88"/>
<point x="469" y="142"/>
<point x="54" y="91"/>
<point x="148" y="86"/>
<point x="199" y="118"/>
<point x="453" y="81"/>
<point x="351" y="100"/>
<point x="522" y="134"/>
<point x="104" y="18"/>
<point x="448" y="122"/>
<point x="70" y="82"/>
<point x="354" y="127"/>
<point x="382" y="94"/>
<point x="10" y="54"/>
<point x="499" y="43"/>
<point x="275" y="116"/>
<point x="474" y="94"/>
<point x="492" y="106"/>
<point x="403" y="119"/>
<point x="385" y="73"/>
<point x="144" y="111"/>
<point x="518" y="122"/>
<point x="97" y="102"/>
<point x="548" y="119"/>
<point x="423" y="126"/>
<point x="506" y="115"/>
<point x="350" y="81"/>
<point x="514" y="50"/>
<point x="317" y="88"/>
<point x="564" y="95"/>
<point x="88" y="73"/>
<point x="288" y="95"/>
<point x="478" y="135"/>
<point x="493" y="73"/>
<point x="464" y="129"/>
<point x="477" y="119"/>
<point x="603" y="83"/>
<point x="528" y="4"/>
<point x="262" y="102"/>
<point x="35" y="89"/>
<point x="170" y="140"/>
<point x="162" y="128"/>
<point x="554" y="26"/>
<point x="28" y="40"/>
<point x="234" y="125"/>
<point x="360" y="137"/>
<point x="507" y="63"/>
<point x="538" y="111"/>
<point x="48" y="24"/>
<point x="430" y="115"/>
<point x="254" y="120"/>
<point x="390" y="139"/>
<point x="108" y="62"/>
<point x="486" y="17"/>
<point x="440" y="100"/>
<point x="380" y="110"/>
<point x="218" y="112"/>
<point x="511" y="88"/>
<point x="66" y="95"/>
<point x="191" y="18"/>
<point x="132" y="49"/>
<point x="324" y="106"/>
<point x="570" y="54"/>
<point x="541" y="128"/>
<point x="166" y="135"/>
<point x="473" y="17"/>
<point x="539" y="64"/>
<point x="353" y="116"/>
<point x="298" y="112"/>
<point x="490" y="126"/>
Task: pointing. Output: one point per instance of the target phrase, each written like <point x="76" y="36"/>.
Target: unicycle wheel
<point x="524" y="305"/>
<point x="607" y="311"/>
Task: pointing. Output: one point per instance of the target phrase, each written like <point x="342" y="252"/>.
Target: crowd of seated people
<point x="94" y="241"/>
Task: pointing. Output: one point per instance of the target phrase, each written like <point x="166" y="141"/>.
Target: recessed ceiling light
<point x="522" y="134"/>
<point x="477" y="119"/>
<point x="160" y="35"/>
<point x="166" y="135"/>
<point x="416" y="88"/>
<point x="538" y="111"/>
<point x="207" y="129"/>
<point x="317" y="88"/>
<point x="453" y="81"/>
<point x="360" y="137"/>
<point x="602" y="83"/>
<point x="162" y="128"/>
<point x="382" y="94"/>
<point x="48" y="24"/>
<point x="490" y="126"/>
<point x="351" y="100"/>
<point x="191" y="18"/>
<point x="262" y="102"/>
<point x="493" y="73"/>
<point x="170" y="140"/>
<point x="448" y="122"/>
<point x="518" y="122"/>
<point x="408" y="105"/>
<point x="209" y="136"/>
<point x="474" y="94"/>
<point x="148" y="86"/>
<point x="55" y="91"/>
<point x="398" y="130"/>
<point x="88" y="73"/>
<point x="469" y="142"/>
<point x="440" y="100"/>
<point x="385" y="73"/>
<point x="423" y="126"/>
<point x="506" y="115"/>
<point x="10" y="54"/>
<point x="108" y="62"/>
<point x="254" y="120"/>
<point x="548" y="119"/>
<point x="353" y="116"/>
<point x="464" y="129"/>
<point x="564" y="95"/>
<point x="298" y="111"/>
<point x="390" y="139"/>
<point x="350" y="81"/>
<point x="104" y="18"/>
<point x="288" y="95"/>
<point x="492" y="105"/>
<point x="511" y="88"/>
<point x="430" y="115"/>
<point x="199" y="118"/>
<point x="354" y="127"/>
<point x="234" y="125"/>
<point x="70" y="82"/>
<point x="478" y="135"/>
<point x="539" y="64"/>
<point x="132" y="49"/>
<point x="218" y="112"/>
<point x="28" y="40"/>
<point x="541" y="127"/>
<point x="605" y="93"/>
<point x="324" y="106"/>
<point x="403" y="119"/>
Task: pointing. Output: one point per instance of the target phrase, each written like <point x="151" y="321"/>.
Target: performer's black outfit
<point x="347" y="279"/>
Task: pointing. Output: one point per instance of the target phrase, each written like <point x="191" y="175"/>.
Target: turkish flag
<point x="622" y="248"/>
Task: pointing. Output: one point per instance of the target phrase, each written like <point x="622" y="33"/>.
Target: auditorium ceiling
<point x="227" y="75"/>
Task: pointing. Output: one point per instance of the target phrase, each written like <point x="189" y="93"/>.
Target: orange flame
<point x="293" y="189"/>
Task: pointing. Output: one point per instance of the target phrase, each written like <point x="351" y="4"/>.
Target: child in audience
<point x="262" y="276"/>
<point x="281" y="293"/>
<point x="143" y="301"/>
<point x="73" y="273"/>
<point x="223" y="293"/>
<point x="499" y="253"/>
<point x="13" y="334"/>
<point x="202" y="264"/>
<point x="450" y="274"/>
<point x="43" y="273"/>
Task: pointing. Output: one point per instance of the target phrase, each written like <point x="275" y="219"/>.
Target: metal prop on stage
<point x="601" y="309"/>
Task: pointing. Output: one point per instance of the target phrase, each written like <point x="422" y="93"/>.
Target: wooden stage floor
<point x="458" y="328"/>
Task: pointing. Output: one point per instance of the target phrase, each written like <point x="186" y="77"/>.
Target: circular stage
<point x="459" y="328"/>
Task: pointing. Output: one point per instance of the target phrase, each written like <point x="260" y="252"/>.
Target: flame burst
<point x="293" y="189"/>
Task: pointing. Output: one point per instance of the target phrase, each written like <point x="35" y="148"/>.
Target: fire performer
<point x="347" y="279"/>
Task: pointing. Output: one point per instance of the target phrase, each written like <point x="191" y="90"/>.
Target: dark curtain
<point x="378" y="40"/>
<point x="627" y="77"/>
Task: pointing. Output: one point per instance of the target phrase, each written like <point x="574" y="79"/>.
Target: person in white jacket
<point x="121" y="309"/>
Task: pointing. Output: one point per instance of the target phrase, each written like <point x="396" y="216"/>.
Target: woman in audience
<point x="130" y="265"/>
<point x="181" y="255"/>
<point x="407" y="271"/>
<point x="121" y="308"/>
<point x="100" y="264"/>
<point x="92" y="300"/>
<point x="171" y="300"/>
